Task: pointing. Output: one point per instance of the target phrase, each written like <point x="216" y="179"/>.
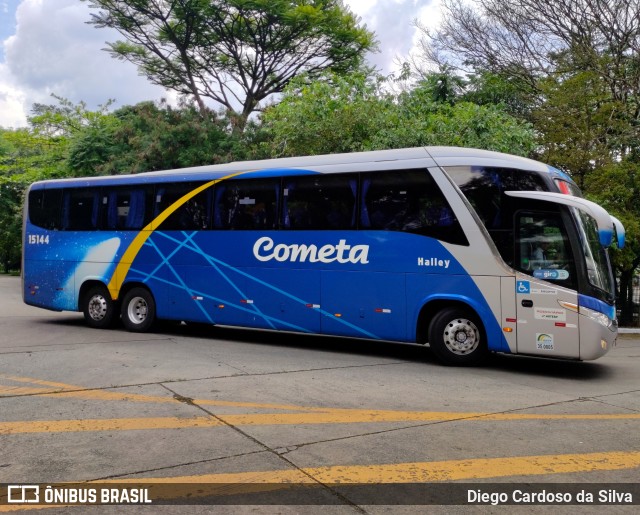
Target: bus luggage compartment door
<point x="364" y="304"/>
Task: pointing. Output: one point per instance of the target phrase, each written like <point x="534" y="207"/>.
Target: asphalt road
<point x="230" y="407"/>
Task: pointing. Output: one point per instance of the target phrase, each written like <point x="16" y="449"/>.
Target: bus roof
<point x="441" y="156"/>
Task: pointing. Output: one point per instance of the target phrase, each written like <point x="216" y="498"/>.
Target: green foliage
<point x="582" y="127"/>
<point x="25" y="156"/>
<point x="10" y="224"/>
<point x="354" y="113"/>
<point x="422" y="121"/>
<point x="616" y="187"/>
<point x="149" y="137"/>
<point x="511" y="93"/>
<point x="337" y="114"/>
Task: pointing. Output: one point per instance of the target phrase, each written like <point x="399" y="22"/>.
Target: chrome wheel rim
<point x="97" y="307"/>
<point x="137" y="310"/>
<point x="461" y="336"/>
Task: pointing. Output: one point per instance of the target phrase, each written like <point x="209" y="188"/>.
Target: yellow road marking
<point x="423" y="472"/>
<point x="304" y="415"/>
<point x="109" y="424"/>
<point x="268" y="419"/>
<point x="66" y="390"/>
<point x="411" y="472"/>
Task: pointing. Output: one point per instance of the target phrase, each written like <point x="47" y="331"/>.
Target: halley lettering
<point x="442" y="263"/>
<point x="265" y="250"/>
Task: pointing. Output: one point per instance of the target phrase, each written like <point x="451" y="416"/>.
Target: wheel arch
<point x="85" y="287"/>
<point x="127" y="287"/>
<point x="434" y="305"/>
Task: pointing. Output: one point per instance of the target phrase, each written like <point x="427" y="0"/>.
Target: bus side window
<point x="192" y="215"/>
<point x="322" y="202"/>
<point x="45" y="208"/>
<point x="126" y="209"/>
<point x="80" y="209"/>
<point x="247" y="204"/>
<point x="408" y="201"/>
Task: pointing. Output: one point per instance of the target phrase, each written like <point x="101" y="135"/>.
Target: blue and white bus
<point x="465" y="250"/>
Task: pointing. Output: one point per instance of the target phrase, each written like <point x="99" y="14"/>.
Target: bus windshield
<point x="596" y="258"/>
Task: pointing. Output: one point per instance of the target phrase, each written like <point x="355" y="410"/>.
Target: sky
<point x="46" y="47"/>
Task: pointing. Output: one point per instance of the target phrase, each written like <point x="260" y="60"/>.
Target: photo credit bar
<point x="163" y="492"/>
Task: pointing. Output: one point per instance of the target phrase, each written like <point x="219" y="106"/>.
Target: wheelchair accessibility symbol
<point x="523" y="287"/>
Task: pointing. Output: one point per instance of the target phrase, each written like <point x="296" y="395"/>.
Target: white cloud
<point x="392" y="21"/>
<point x="55" y="51"/>
<point x="11" y="101"/>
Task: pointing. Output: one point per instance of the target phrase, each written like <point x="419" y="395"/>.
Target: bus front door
<point x="545" y="290"/>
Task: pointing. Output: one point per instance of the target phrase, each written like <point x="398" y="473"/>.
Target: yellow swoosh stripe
<point x="122" y="268"/>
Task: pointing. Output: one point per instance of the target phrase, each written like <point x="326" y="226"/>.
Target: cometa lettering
<point x="265" y="249"/>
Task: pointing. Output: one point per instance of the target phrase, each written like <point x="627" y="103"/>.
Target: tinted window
<point x="543" y="249"/>
<point x="80" y="209"/>
<point x="194" y="214"/>
<point x="247" y="204"/>
<point x="126" y="208"/>
<point x="408" y="201"/>
<point x="485" y="187"/>
<point x="45" y="208"/>
<point x="320" y="202"/>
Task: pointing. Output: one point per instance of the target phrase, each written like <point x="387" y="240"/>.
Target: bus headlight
<point x="601" y="318"/>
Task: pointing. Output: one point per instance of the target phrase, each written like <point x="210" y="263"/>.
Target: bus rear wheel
<point x="138" y="310"/>
<point x="456" y="337"/>
<point x="98" y="308"/>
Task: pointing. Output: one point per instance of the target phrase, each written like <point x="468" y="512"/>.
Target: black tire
<point x="138" y="310"/>
<point x="457" y="338"/>
<point x="98" y="307"/>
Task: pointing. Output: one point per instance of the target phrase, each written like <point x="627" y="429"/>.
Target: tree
<point x="356" y="112"/>
<point x="582" y="128"/>
<point x="547" y="46"/>
<point x="523" y="37"/>
<point x="148" y="137"/>
<point x="336" y="114"/>
<point x="234" y="52"/>
<point x="24" y="158"/>
<point x="617" y="188"/>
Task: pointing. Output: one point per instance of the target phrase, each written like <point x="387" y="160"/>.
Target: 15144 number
<point x="38" y="239"/>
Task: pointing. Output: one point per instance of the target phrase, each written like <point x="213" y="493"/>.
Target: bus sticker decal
<point x="544" y="291"/>
<point x="544" y="341"/>
<point x="555" y="314"/>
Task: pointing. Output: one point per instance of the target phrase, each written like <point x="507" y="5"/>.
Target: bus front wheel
<point x="138" y="310"/>
<point x="98" y="308"/>
<point x="456" y="337"/>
